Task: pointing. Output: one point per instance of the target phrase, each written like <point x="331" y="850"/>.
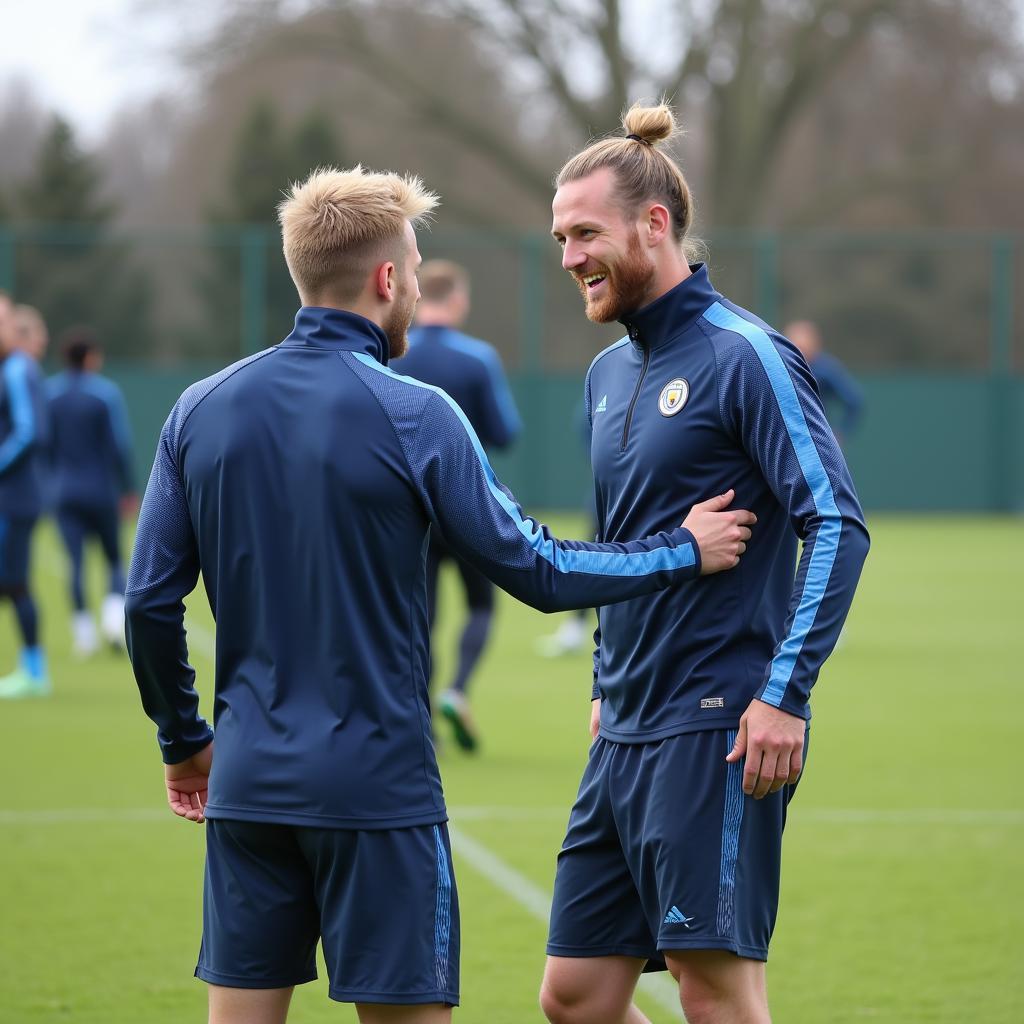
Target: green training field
<point x="903" y="897"/>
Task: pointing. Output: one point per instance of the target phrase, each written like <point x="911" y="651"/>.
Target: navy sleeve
<point x="484" y="524"/>
<point x="164" y="570"/>
<point x="499" y="420"/>
<point x="770" y="404"/>
<point x="24" y="419"/>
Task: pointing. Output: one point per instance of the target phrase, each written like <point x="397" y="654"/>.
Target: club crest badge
<point x="673" y="396"/>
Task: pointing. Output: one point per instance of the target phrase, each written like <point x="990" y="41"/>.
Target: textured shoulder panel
<point x="403" y="399"/>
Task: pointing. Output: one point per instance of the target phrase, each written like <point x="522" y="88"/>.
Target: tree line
<point x="845" y="115"/>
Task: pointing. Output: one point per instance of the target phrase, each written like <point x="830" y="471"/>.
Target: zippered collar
<point x="672" y="313"/>
<point x="340" y="329"/>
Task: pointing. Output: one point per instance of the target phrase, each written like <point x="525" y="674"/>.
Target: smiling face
<point x="602" y="247"/>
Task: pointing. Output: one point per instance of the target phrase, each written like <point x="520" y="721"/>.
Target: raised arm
<point x="486" y="526"/>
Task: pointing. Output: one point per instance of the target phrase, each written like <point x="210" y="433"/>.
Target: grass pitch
<point x="903" y="898"/>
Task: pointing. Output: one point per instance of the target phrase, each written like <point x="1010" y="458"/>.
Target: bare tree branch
<point x="620" y="71"/>
<point x="430" y="103"/>
<point x="533" y="42"/>
<point x="812" y="65"/>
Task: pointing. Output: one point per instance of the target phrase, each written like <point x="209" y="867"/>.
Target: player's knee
<point x="701" y="1005"/>
<point x="709" y="995"/>
<point x="554" y="1007"/>
<point x="564" y="1003"/>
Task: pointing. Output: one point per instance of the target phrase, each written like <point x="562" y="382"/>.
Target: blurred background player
<point x="839" y="391"/>
<point x="23" y="437"/>
<point x="470" y="371"/>
<point x="91" y="454"/>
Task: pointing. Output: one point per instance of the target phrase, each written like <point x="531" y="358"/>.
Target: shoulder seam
<point x="607" y="351"/>
<point x="241" y="366"/>
<point x="701" y="326"/>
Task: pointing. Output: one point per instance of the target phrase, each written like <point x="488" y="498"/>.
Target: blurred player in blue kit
<point x="469" y="371"/>
<point x="838" y="390"/>
<point x="303" y="483"/>
<point x="700" y="694"/>
<point x="91" y="460"/>
<point x="23" y="440"/>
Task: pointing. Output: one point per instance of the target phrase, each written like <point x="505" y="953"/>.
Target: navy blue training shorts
<point x="15" y="545"/>
<point x="665" y="852"/>
<point x="382" y="902"/>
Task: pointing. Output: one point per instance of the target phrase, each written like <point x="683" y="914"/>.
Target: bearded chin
<point x="397" y="327"/>
<point x="629" y="286"/>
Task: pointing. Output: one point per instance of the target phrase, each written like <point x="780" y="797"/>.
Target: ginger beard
<point x="625" y="288"/>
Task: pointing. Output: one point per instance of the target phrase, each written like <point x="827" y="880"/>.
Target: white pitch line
<point x="537" y="902"/>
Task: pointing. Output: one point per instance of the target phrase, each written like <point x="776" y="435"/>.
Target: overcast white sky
<point x="85" y="57"/>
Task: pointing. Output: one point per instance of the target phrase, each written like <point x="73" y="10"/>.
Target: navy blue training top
<point x="470" y="371"/>
<point x="699" y="397"/>
<point x="90" y="447"/>
<point x="24" y="434"/>
<point x="302" y="482"/>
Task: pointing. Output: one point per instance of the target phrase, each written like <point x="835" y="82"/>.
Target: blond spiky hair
<point x="335" y="223"/>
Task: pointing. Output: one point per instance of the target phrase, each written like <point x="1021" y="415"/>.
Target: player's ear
<point x="385" y="281"/>
<point x="658" y="223"/>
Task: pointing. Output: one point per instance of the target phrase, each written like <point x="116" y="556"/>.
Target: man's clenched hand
<point x="721" y="535"/>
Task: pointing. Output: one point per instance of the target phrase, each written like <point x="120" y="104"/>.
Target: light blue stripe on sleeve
<point x="827" y="542"/>
<point x="23" y="420"/>
<point x="596" y="563"/>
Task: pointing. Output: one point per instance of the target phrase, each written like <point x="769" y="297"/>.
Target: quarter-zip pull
<point x="634" y="336"/>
